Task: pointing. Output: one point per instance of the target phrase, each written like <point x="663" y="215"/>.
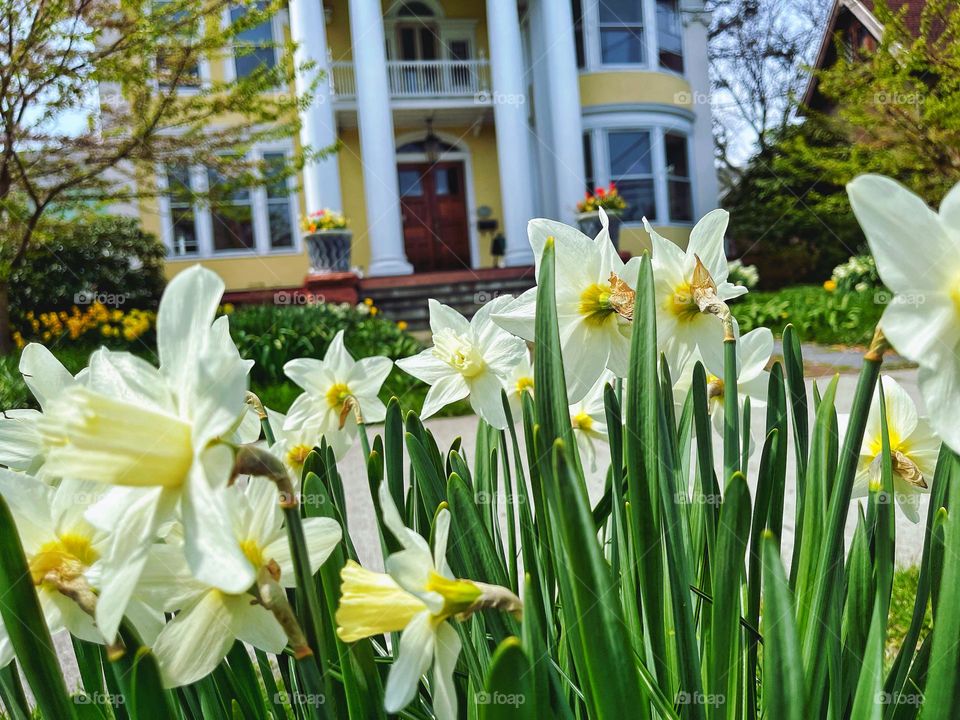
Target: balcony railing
<point x="421" y="79"/>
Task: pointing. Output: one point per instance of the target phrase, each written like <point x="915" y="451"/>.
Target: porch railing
<point x="420" y="79"/>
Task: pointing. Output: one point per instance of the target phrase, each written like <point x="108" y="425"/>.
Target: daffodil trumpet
<point x="417" y="596"/>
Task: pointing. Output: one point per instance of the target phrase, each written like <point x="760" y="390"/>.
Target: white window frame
<point x="204" y="219"/>
<point x="278" y="24"/>
<point x="203" y="67"/>
<point x="593" y="57"/>
<point x="599" y="126"/>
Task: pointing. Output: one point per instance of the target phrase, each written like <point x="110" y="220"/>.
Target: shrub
<point x="740" y="274"/>
<point x="272" y="335"/>
<point x="106" y="259"/>
<point x="819" y="315"/>
<point x="858" y="274"/>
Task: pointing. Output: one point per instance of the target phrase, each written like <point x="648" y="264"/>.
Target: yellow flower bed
<point x="98" y="319"/>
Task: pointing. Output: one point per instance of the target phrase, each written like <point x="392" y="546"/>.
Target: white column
<point x="696" y="64"/>
<point x="546" y="200"/>
<point x="513" y="134"/>
<point x="564" y="85"/>
<point x="318" y="125"/>
<point x="378" y="155"/>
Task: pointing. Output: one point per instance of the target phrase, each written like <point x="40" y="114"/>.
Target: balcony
<point x="421" y="80"/>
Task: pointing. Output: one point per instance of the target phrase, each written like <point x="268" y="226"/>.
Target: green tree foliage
<point x="95" y="94"/>
<point x="85" y="259"/>
<point x="786" y="217"/>
<point x="894" y="110"/>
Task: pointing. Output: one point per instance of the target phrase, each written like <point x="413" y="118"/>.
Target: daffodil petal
<point x="444" y="391"/>
<point x="414" y="658"/>
<point x="254" y="624"/>
<point x="321" y="536"/>
<point x="906" y="237"/>
<point x="43" y="373"/>
<point x="443" y="689"/>
<point x="192" y="644"/>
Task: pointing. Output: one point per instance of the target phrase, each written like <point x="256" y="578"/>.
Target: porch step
<point x="406" y="297"/>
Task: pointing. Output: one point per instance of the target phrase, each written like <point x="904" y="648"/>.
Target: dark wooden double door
<point x="434" y="205"/>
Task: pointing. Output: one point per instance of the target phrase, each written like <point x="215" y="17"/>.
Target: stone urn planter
<point x="590" y="226"/>
<point x="329" y="251"/>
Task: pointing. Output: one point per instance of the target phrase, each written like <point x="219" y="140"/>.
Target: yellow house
<point x="458" y="120"/>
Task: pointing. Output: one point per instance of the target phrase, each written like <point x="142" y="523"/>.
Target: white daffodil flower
<point x="914" y="449"/>
<point x="333" y="389"/>
<point x="163" y="438"/>
<point x="682" y="325"/>
<point x="21" y="445"/>
<point x="918" y="258"/>
<point x="589" y="419"/>
<point x="595" y="297"/>
<point x="63" y="551"/>
<point x="417" y="595"/>
<point x="471" y="358"/>
<point x="292" y="446"/>
<point x="209" y="620"/>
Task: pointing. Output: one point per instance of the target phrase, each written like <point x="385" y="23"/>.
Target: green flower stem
<point x="832" y="540"/>
<point x="731" y="410"/>
<point x="364" y="440"/>
<point x="315" y="682"/>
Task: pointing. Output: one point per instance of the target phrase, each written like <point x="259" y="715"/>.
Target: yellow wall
<point x="338" y="30"/>
<point x="289" y="270"/>
<point x="634" y="86"/>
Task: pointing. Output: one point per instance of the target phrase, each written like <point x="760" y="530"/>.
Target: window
<point x="204" y="214"/>
<point x="171" y="57"/>
<point x="231" y="214"/>
<point x="631" y="168"/>
<point x="621" y="32"/>
<point x="678" y="178"/>
<point x="183" y="219"/>
<point x="651" y="167"/>
<point x="255" y="47"/>
<point x="670" y="35"/>
<point x="279" y="206"/>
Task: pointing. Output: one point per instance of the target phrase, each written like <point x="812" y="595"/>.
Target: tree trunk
<point x="6" y="341"/>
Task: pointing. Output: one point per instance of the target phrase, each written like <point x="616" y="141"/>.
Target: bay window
<point x="621" y="32"/>
<point x="679" y="191"/>
<point x="650" y="165"/>
<point x="631" y="168"/>
<point x="625" y="33"/>
<point x="669" y="35"/>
